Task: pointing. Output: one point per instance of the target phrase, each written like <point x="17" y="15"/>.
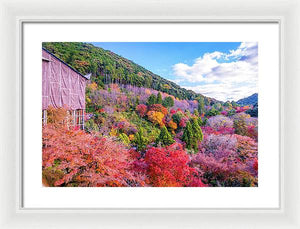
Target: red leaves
<point x="168" y="167"/>
<point x="255" y="165"/>
<point x="158" y="108"/>
<point x="141" y="109"/>
<point x="87" y="160"/>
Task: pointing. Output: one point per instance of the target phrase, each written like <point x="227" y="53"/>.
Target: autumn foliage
<point x="141" y="109"/>
<point x="156" y="117"/>
<point x="168" y="167"/>
<point x="132" y="139"/>
<point x="75" y="158"/>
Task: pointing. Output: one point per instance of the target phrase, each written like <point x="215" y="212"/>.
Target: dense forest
<point x="144" y="131"/>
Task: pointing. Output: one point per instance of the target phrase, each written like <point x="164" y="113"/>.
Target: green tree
<point x="197" y="132"/>
<point x="192" y="135"/>
<point x="159" y="98"/>
<point x="196" y="113"/>
<point x="124" y="138"/>
<point x="168" y="102"/>
<point x="151" y="100"/>
<point x="231" y="112"/>
<point x="165" y="138"/>
<point x="188" y="136"/>
<point x="228" y="104"/>
<point x="212" y="112"/>
<point x="201" y="106"/>
<point x="140" y="140"/>
<point x="200" y="122"/>
<point x="177" y="117"/>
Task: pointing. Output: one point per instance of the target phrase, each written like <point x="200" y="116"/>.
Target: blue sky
<point x="222" y="70"/>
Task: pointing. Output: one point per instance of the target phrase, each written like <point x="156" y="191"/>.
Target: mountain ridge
<point x="250" y="100"/>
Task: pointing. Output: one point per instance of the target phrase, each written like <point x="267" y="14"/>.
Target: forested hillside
<point x="107" y="67"/>
<point x="141" y="130"/>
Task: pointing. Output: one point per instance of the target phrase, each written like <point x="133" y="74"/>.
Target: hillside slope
<point x="107" y="67"/>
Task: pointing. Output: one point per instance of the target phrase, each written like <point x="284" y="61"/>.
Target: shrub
<point x="91" y="126"/>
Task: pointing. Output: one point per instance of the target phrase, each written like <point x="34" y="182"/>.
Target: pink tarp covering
<point x="61" y="85"/>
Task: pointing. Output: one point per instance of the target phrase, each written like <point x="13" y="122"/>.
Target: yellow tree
<point x="156" y="117"/>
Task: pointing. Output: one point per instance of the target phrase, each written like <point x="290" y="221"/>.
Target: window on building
<point x="79" y="118"/>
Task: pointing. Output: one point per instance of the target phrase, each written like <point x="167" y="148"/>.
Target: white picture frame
<point x="13" y="216"/>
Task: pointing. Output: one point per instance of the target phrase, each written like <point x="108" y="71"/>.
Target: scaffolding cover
<point x="61" y="85"/>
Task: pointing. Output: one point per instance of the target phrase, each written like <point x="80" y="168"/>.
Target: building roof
<point x="87" y="77"/>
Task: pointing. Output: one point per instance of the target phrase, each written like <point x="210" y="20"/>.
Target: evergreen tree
<point x="188" y="136"/>
<point x="140" y="140"/>
<point x="200" y="122"/>
<point x="196" y="112"/>
<point x="165" y="138"/>
<point x="201" y="106"/>
<point x="124" y="138"/>
<point x="197" y="132"/>
<point x="159" y="98"/>
<point x="168" y="102"/>
<point x="192" y="135"/>
<point x="151" y="100"/>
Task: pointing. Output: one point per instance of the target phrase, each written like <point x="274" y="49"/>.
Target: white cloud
<point x="224" y="76"/>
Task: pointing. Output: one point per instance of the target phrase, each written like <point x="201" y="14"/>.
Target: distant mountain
<point x="250" y="100"/>
<point x="107" y="67"/>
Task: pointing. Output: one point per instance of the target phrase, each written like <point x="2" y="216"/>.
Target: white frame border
<point x="11" y="216"/>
